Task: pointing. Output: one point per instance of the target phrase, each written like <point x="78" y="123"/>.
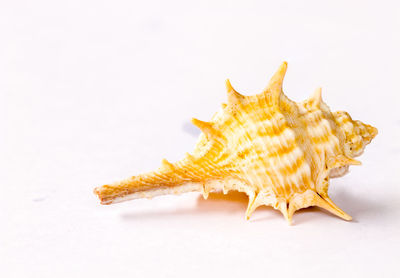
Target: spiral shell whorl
<point x="280" y="153"/>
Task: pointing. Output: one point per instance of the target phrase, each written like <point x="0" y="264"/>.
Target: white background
<point x="95" y="91"/>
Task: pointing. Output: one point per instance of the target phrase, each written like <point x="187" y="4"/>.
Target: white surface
<point x="95" y="91"/>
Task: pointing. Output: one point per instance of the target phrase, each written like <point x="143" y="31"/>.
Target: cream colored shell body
<point x="280" y="153"/>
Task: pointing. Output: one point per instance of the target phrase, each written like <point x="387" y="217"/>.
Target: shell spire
<point x="279" y="152"/>
<point x="233" y="96"/>
<point x="316" y="98"/>
<point x="341" y="160"/>
<point x="274" y="88"/>
<point x="205" y="127"/>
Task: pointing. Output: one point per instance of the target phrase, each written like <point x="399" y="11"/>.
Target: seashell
<point x="279" y="152"/>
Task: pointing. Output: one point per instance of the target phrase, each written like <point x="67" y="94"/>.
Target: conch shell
<point x="279" y="152"/>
